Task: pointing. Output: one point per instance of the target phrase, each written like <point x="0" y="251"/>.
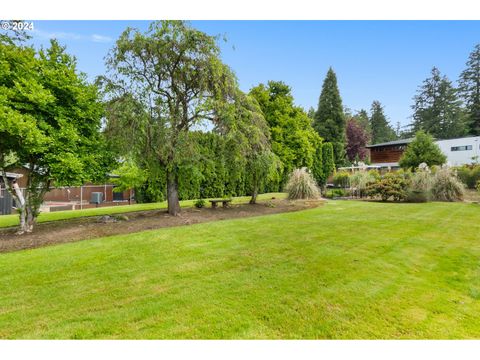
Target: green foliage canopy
<point x="293" y="140"/>
<point x="422" y="150"/>
<point x="49" y="122"/>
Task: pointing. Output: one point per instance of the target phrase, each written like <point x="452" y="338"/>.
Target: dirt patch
<point x="58" y="232"/>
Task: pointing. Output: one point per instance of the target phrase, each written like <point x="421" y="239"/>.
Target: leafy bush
<point x="200" y="203"/>
<point x="478" y="185"/>
<point x="446" y="186"/>
<point x="341" y="179"/>
<point x="469" y="175"/>
<point x="389" y="186"/>
<point x="301" y="185"/>
<point x="420" y="185"/>
<point x="333" y="193"/>
<point x="375" y="174"/>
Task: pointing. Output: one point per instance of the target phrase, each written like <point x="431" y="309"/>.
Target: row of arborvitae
<point x="425" y="184"/>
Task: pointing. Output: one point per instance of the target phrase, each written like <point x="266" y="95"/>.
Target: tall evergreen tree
<point x="469" y="88"/>
<point x="437" y="108"/>
<point x="361" y="117"/>
<point x="382" y="131"/>
<point x="329" y="119"/>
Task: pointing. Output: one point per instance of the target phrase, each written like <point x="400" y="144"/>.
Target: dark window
<point x="461" y="148"/>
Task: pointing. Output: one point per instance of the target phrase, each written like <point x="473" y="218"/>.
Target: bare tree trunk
<point x="27" y="219"/>
<point x="172" y="193"/>
<point x="253" y="199"/>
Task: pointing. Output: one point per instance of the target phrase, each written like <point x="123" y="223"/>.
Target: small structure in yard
<point x="7" y="203"/>
<point x="71" y="198"/>
<point x="225" y="202"/>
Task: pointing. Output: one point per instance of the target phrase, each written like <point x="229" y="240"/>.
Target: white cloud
<point x="101" y="38"/>
<point x="70" y="36"/>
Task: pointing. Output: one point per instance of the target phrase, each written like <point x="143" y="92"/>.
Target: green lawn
<point x="345" y="270"/>
<point x="13" y="220"/>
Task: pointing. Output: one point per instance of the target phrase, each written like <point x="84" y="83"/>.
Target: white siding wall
<point x="461" y="157"/>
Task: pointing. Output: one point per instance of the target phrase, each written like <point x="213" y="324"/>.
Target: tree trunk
<point x="253" y="199"/>
<point x="172" y="193"/>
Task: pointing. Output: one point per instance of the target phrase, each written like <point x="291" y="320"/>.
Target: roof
<point x="391" y="143"/>
<point x="387" y="165"/>
<point x="13" y="175"/>
<point x="359" y="167"/>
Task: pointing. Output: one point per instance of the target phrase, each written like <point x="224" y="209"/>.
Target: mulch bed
<point x="58" y="232"/>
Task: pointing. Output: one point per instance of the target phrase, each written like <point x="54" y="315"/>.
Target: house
<point x="459" y="151"/>
<point x="387" y="155"/>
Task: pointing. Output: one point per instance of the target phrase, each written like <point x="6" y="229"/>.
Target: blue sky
<point x="374" y="60"/>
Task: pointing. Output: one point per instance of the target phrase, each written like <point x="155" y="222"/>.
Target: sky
<point x="373" y="60"/>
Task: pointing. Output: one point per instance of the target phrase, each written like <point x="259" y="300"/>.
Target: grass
<point x="345" y="270"/>
<point x="13" y="220"/>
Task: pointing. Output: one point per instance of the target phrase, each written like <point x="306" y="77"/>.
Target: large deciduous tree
<point x="293" y="139"/>
<point x="50" y="121"/>
<point x="357" y="139"/>
<point x="382" y="131"/>
<point x="437" y="108"/>
<point x="175" y="75"/>
<point x="329" y="119"/>
<point x="469" y="88"/>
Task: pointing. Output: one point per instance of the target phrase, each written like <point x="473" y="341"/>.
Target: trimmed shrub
<point x="301" y="185"/>
<point x="446" y="186"/>
<point x="334" y="193"/>
<point x="341" y="179"/>
<point x="389" y="186"/>
<point x="328" y="161"/>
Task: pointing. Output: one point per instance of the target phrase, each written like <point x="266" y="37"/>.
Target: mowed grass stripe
<point x="344" y="270"/>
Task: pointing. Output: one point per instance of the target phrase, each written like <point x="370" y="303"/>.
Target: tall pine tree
<point x="382" y="131"/>
<point x="329" y="119"/>
<point x="469" y="88"/>
<point x="437" y="108"/>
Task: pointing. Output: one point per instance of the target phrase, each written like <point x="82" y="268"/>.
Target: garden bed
<point x="92" y="227"/>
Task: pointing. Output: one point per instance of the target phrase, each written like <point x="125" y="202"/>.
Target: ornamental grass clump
<point x="446" y="186"/>
<point x="360" y="181"/>
<point x="301" y="185"/>
<point x="420" y="185"/>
